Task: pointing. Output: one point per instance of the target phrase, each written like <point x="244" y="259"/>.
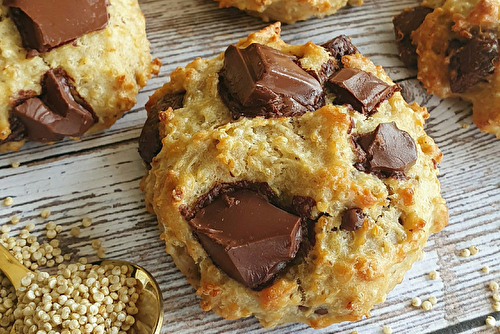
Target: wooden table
<point x="99" y="175"/>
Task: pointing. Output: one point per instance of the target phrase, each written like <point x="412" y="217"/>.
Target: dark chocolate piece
<point x="404" y="24"/>
<point x="17" y="130"/>
<point x="247" y="237"/>
<point x="352" y="219"/>
<point x="149" y="140"/>
<point x="362" y="90"/>
<point x="55" y="114"/>
<point x="472" y="61"/>
<point x="340" y="46"/>
<point x="46" y="24"/>
<point x="321" y="311"/>
<point x="388" y="150"/>
<point x="262" y="81"/>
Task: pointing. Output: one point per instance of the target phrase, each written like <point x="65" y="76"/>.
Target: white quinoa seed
<point x="101" y="252"/>
<point x="45" y="213"/>
<point x="75" y="231"/>
<point x="427" y="305"/>
<point x="96" y="244"/>
<point x="496" y="306"/>
<point x="14" y="220"/>
<point x="465" y="252"/>
<point x="8" y="201"/>
<point x="473" y="250"/>
<point x="486" y="269"/>
<point x="86" y="222"/>
<point x="417" y="302"/>
<point x="493" y="286"/>
<point x="15" y="164"/>
<point x="433" y="274"/>
<point x="433" y="300"/>
<point x="490" y="321"/>
<point x="496" y="297"/>
<point x="387" y="330"/>
<point x="51" y="234"/>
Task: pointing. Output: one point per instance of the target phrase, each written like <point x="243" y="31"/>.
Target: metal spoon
<point x="150" y="302"/>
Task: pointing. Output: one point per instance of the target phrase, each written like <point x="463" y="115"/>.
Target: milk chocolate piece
<point x="55" y="114"/>
<point x="388" y="150"/>
<point x="352" y="219"/>
<point x="247" y="237"/>
<point x="150" y="141"/>
<point x="362" y="90"/>
<point x="340" y="46"/>
<point x="471" y="61"/>
<point x="46" y="24"/>
<point x="404" y="24"/>
<point x="262" y="81"/>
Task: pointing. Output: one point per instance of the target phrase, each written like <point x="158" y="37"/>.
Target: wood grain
<point x="99" y="175"/>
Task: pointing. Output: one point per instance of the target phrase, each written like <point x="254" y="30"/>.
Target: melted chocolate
<point x="46" y="24"/>
<point x="262" y="81"/>
<point x="386" y="151"/>
<point x="247" y="237"/>
<point x="360" y="89"/>
<point x="352" y="219"/>
<point x="471" y="61"/>
<point x="404" y="24"/>
<point x="149" y="140"/>
<point x="55" y="114"/>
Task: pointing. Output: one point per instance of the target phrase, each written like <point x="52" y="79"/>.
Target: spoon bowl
<point x="150" y="302"/>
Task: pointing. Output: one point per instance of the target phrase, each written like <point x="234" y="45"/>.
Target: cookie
<point x="289" y="11"/>
<point x="290" y="182"/>
<point x="454" y="44"/>
<point x="69" y="68"/>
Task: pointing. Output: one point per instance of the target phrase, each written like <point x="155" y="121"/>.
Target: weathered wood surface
<point x="99" y="177"/>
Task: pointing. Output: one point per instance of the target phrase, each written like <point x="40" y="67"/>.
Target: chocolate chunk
<point x="303" y="206"/>
<point x="472" y="61"/>
<point x="247" y="237"/>
<point x="321" y="311"/>
<point x="149" y="140"/>
<point x="55" y="114"/>
<point x="362" y="90"/>
<point x="46" y="24"/>
<point x="352" y="219"/>
<point x="262" y="81"/>
<point x="404" y="24"/>
<point x="340" y="46"/>
<point x="388" y="150"/>
<point x="17" y="130"/>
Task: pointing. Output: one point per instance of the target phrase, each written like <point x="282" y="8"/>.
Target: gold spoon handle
<point x="11" y="267"/>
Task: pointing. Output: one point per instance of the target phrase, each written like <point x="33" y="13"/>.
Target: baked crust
<point x="450" y="20"/>
<point x="108" y="67"/>
<point x="288" y="11"/>
<point x="345" y="273"/>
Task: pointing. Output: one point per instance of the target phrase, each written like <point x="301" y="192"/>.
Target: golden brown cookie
<point x="290" y="182"/>
<point x="289" y="11"/>
<point x="77" y="75"/>
<point x="456" y="44"/>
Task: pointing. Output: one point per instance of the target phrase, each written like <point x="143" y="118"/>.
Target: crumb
<point x="86" y="222"/>
<point x="8" y="201"/>
<point x="490" y="321"/>
<point x="417" y="302"/>
<point x="45" y="213"/>
<point x="464" y="125"/>
<point x="465" y="252"/>
<point x="493" y="286"/>
<point x="434" y="274"/>
<point x="486" y="269"/>
<point x="75" y="231"/>
<point x="427" y="305"/>
<point x="433" y="300"/>
<point x="15" y="164"/>
<point x="473" y="250"/>
<point x="387" y="330"/>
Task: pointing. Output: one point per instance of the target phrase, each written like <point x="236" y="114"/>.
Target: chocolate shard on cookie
<point x="388" y="149"/>
<point x="247" y="237"/>
<point x="262" y="81"/>
<point x="55" y="114"/>
<point x="352" y="219"/>
<point x="471" y="61"/>
<point x="46" y="24"/>
<point x="360" y="89"/>
<point x="339" y="47"/>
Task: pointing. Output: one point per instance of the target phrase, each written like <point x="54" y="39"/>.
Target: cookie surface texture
<point x="457" y="48"/>
<point x="289" y="11"/>
<point x="362" y="186"/>
<point x="99" y="61"/>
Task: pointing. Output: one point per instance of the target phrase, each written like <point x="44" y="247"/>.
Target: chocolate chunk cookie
<point x="289" y="11"/>
<point x="292" y="183"/>
<point x="455" y="46"/>
<point x="69" y="67"/>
